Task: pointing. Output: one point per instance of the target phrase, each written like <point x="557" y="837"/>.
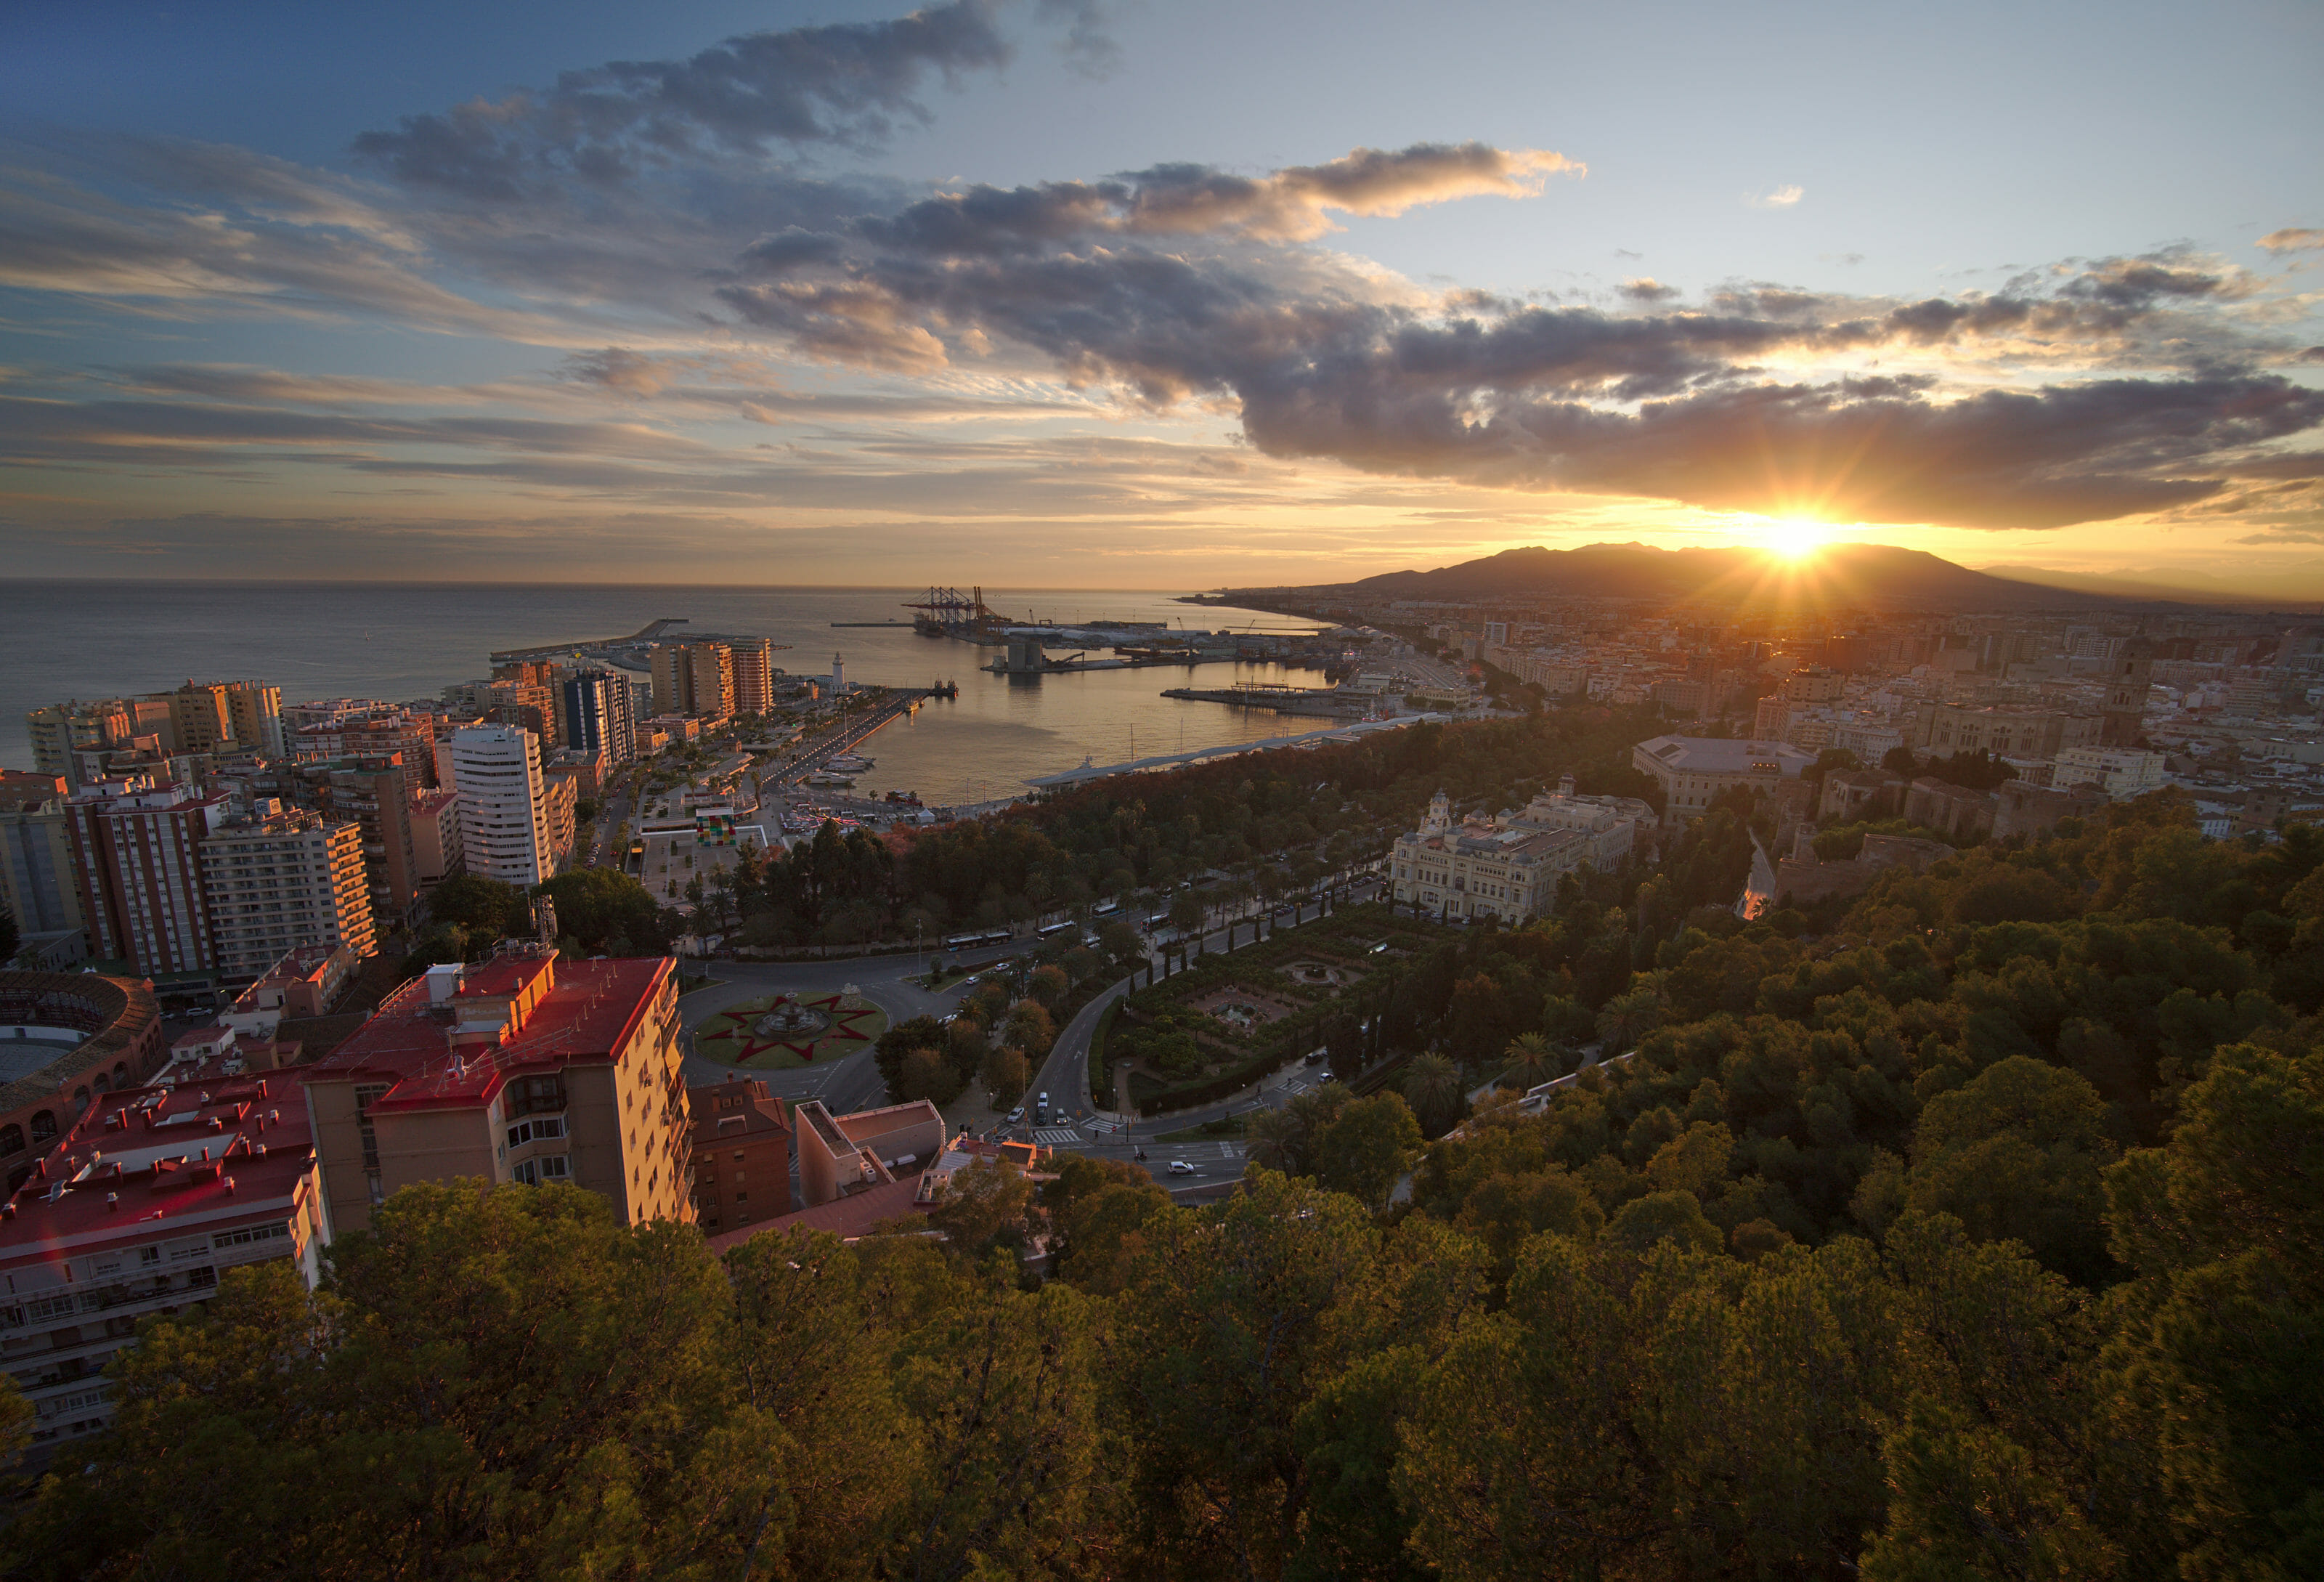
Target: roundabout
<point x="784" y="1032"/>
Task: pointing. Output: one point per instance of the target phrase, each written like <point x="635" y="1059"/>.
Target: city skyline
<point x="1060" y="295"/>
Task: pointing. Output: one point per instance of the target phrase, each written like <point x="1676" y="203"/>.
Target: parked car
<point x="1179" y="1167"/>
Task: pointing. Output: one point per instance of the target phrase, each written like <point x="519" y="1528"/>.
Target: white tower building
<point x="838" y="683"/>
<point x="503" y="804"/>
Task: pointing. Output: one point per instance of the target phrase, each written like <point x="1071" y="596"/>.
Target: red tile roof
<point x="846" y="1217"/>
<point x="145" y="1163"/>
<point x="590" y="1009"/>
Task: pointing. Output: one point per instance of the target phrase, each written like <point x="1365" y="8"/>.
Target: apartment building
<point x="741" y="1155"/>
<point x="503" y="804"/>
<point x="217" y="717"/>
<point x="278" y="880"/>
<point x="36" y="860"/>
<point x="152" y="1196"/>
<point x="599" y="715"/>
<point x="436" y="850"/>
<point x="375" y="793"/>
<point x="754" y="676"/>
<point x="137" y="867"/>
<point x="525" y="1067"/>
<point x="694" y="678"/>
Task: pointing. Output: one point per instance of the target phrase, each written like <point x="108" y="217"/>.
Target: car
<point x="1043" y="1101"/>
<point x="1017" y="1114"/>
<point x="1179" y="1167"/>
<point x="1313" y="1058"/>
<point x="1380" y="949"/>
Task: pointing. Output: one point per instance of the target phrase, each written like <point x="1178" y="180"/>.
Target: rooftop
<point x="1724" y="755"/>
<point x="148" y="1162"/>
<point x="518" y="1014"/>
<point x="847" y="1218"/>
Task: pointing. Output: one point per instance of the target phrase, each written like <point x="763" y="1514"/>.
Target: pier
<point x="1067" y="778"/>
<point x="1315" y="701"/>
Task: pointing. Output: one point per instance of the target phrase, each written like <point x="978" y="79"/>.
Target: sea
<point x="68" y="640"/>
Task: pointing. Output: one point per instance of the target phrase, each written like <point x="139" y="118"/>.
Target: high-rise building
<point x="64" y="734"/>
<point x="694" y="678"/>
<point x="36" y="864"/>
<point x="503" y="804"/>
<point x="225" y="716"/>
<point x="754" y="676"/>
<point x="374" y="793"/>
<point x="137" y="863"/>
<point x="598" y="715"/>
<point x="524" y="1067"/>
<point x="436" y="837"/>
<point x="278" y="880"/>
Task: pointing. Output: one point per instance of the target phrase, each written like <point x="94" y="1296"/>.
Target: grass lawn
<point x="728" y="1036"/>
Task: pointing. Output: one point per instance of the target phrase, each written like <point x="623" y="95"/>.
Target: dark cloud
<point x="844" y="82"/>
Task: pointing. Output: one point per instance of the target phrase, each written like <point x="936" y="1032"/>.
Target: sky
<point x="1084" y="293"/>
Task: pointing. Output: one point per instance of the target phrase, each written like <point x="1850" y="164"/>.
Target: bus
<point x="970" y="941"/>
<point x="1052" y="930"/>
<point x="1105" y="908"/>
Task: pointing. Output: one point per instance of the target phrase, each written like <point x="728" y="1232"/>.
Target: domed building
<point x="64" y="1039"/>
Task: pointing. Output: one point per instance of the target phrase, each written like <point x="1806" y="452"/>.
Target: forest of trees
<point x="1976" y="1234"/>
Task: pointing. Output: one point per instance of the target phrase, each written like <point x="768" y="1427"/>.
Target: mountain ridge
<point x="1878" y="576"/>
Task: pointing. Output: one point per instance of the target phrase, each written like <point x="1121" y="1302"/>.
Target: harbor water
<point x="86" y="640"/>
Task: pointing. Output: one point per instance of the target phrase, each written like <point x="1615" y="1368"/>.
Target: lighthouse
<point x="838" y="685"/>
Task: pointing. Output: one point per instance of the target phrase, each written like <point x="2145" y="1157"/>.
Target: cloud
<point x="837" y="83"/>
<point x="1780" y="198"/>
<point x="2292" y="239"/>
<point x="1646" y="288"/>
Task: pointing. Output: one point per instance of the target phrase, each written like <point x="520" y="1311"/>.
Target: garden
<point x="780" y="1032"/>
<point x="1228" y="1020"/>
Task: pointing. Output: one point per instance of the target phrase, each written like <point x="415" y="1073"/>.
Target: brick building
<point x="742" y="1152"/>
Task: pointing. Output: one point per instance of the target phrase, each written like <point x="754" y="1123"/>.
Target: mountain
<point x="1841" y="576"/>
<point x="2276" y="587"/>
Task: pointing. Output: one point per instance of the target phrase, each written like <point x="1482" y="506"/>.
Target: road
<point x="887" y="981"/>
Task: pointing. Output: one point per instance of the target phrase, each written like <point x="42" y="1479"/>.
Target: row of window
<point x="552" y="1167"/>
<point x="538" y="1129"/>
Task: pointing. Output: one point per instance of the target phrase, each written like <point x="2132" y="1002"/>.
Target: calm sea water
<point x="68" y="640"/>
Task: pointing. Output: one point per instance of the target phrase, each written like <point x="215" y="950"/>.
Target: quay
<point x="1067" y="778"/>
<point x="1316" y="700"/>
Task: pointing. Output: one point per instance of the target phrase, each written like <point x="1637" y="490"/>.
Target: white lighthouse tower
<point x="838" y="682"/>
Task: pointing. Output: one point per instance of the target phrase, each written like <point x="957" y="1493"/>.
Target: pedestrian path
<point x="1057" y="1137"/>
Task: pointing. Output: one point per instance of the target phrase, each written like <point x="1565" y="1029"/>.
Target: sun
<point x="1794" y="538"/>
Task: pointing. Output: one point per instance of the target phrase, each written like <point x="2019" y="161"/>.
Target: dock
<point x="1087" y="770"/>
<point x="1323" y="701"/>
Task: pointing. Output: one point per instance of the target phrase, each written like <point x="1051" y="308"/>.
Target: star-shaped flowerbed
<point x="730" y="1036"/>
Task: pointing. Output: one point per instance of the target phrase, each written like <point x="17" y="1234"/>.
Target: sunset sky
<point x="1153" y="294"/>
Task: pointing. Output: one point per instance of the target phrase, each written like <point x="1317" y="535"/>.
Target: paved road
<point x="853" y="1082"/>
<point x="1103" y="1134"/>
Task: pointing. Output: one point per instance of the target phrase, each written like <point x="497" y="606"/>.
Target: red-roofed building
<point x="742" y="1154"/>
<point x="524" y="1067"/>
<point x="138" y="1208"/>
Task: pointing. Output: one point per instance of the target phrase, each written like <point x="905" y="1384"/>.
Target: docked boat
<point x="825" y="777"/>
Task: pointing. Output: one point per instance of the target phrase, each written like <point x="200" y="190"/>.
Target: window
<point x="365" y="1098"/>
<point x="540" y="1129"/>
<point x="44" y="1127"/>
<point x="555" y="1167"/>
<point x="249" y="1234"/>
<point x="11" y="1139"/>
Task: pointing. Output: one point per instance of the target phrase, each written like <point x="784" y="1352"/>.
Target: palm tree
<point x="1530" y="1056"/>
<point x="1627" y="1019"/>
<point x="1432" y="1084"/>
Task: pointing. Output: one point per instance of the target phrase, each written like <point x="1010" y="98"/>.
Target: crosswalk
<point x="1057" y="1137"/>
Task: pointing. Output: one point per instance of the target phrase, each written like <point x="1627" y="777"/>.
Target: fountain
<point x="790" y="1020"/>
